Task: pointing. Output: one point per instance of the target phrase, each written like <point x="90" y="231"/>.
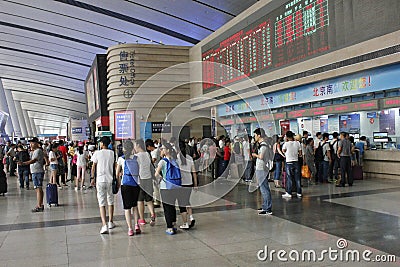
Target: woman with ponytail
<point x="169" y="191"/>
<point x="189" y="180"/>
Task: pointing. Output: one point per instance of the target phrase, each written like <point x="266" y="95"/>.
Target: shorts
<point x="146" y="190"/>
<point x="130" y="195"/>
<point x="184" y="195"/>
<point x="37" y="179"/>
<point x="104" y="194"/>
<point x="53" y="167"/>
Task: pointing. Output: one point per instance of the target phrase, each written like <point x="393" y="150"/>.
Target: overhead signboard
<point x="393" y="102"/>
<point x="334" y="109"/>
<point x="282" y="33"/>
<point x="161" y="127"/>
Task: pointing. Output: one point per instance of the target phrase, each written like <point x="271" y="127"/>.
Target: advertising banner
<point x="124" y="125"/>
<point x="78" y="130"/>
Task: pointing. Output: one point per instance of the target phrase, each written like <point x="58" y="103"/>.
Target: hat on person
<point x="80" y="144"/>
<point x="34" y="140"/>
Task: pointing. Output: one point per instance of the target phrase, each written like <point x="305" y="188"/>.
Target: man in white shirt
<point x="104" y="165"/>
<point x="292" y="150"/>
<point x="247" y="158"/>
<point x="262" y="173"/>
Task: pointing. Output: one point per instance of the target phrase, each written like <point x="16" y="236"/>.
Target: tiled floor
<point x="228" y="231"/>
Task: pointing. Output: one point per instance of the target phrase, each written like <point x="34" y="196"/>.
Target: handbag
<point x="115" y="185"/>
<point x="305" y="172"/>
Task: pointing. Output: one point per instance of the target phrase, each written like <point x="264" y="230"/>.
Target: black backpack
<point x="333" y="154"/>
<point x="319" y="153"/>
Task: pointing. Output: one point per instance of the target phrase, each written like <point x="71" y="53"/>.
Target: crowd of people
<point x="149" y="172"/>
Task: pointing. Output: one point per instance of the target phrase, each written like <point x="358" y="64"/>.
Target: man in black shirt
<point x="23" y="171"/>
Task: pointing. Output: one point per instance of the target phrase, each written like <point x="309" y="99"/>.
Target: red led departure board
<point x="285" y="32"/>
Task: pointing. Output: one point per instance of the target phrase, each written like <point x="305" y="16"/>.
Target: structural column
<point x="21" y="118"/>
<point x="13" y="112"/>
<point x="27" y="122"/>
<point x="4" y="108"/>
<point x="33" y="126"/>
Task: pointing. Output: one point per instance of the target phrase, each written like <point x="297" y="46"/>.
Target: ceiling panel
<point x="48" y="46"/>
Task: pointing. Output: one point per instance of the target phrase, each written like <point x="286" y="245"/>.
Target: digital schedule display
<point x="286" y="32"/>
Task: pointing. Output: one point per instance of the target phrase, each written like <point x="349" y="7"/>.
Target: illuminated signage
<point x="335" y="109"/>
<point x="282" y="33"/>
<point x="161" y="127"/>
<point x="391" y="102"/>
<point x="124" y="125"/>
<point x="227" y="122"/>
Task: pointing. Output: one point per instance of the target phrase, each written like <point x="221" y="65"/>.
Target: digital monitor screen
<point x="356" y="137"/>
<point x="381" y="137"/>
<point x="285" y="32"/>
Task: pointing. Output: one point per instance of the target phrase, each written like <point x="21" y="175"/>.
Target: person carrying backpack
<point x="262" y="173"/>
<point x="170" y="178"/>
<point x="128" y="169"/>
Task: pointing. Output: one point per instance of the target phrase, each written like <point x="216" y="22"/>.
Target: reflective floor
<point x="326" y="227"/>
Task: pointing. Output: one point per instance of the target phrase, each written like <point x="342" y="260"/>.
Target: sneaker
<point x="287" y="195"/>
<point x="130" y="232"/>
<point x="260" y="209"/>
<point x="153" y="220"/>
<point x="141" y="222"/>
<point x="264" y="213"/>
<point x="38" y="209"/>
<point x="184" y="226"/>
<point x="299" y="195"/>
<point x="170" y="231"/>
<point x="83" y="187"/>
<point x="76" y="188"/>
<point x="111" y="225"/>
<point x="192" y="222"/>
<point x="137" y="229"/>
<point x="104" y="229"/>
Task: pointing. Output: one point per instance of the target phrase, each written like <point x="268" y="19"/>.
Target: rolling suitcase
<point x="51" y="194"/>
<point x="357" y="172"/>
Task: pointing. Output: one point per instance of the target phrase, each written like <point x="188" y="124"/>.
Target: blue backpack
<point x="131" y="172"/>
<point x="172" y="177"/>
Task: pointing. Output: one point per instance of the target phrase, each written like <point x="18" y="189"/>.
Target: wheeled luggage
<point x="357" y="172"/>
<point x="52" y="194"/>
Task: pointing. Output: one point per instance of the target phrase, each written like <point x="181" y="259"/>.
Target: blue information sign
<point x="124" y="122"/>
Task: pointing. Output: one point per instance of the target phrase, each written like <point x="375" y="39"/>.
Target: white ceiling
<point x="47" y="46"/>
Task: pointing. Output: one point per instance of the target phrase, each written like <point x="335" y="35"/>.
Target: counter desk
<point x="382" y="164"/>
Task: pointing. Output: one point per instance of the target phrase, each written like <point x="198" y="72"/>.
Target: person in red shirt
<point x="63" y="150"/>
<point x="227" y="157"/>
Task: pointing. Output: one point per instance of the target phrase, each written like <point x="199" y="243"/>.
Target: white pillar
<point x="13" y="112"/>
<point x="33" y="126"/>
<point x="38" y="130"/>
<point x="27" y="122"/>
<point x="9" y="129"/>
<point x="21" y="118"/>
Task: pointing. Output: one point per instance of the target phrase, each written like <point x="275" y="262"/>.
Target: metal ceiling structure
<point x="47" y="46"/>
